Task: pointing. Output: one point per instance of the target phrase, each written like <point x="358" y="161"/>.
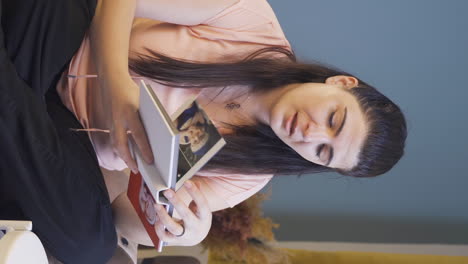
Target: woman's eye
<point x="324" y="154"/>
<point x="331" y="119"/>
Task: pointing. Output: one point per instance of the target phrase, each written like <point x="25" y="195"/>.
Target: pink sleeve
<point x="232" y="188"/>
<point x="242" y="15"/>
<point x="251" y="21"/>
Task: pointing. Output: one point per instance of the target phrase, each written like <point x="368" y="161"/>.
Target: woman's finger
<point x="140" y="137"/>
<point x="203" y="210"/>
<point x="164" y="218"/>
<point x="184" y="212"/>
<point x="163" y="234"/>
<point x="119" y="140"/>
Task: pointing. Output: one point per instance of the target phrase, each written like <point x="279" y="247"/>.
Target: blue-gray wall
<point x="416" y="52"/>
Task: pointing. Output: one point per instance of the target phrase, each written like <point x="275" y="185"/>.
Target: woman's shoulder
<point x="261" y="8"/>
<point x="250" y="16"/>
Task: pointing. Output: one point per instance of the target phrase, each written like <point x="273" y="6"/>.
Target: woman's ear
<point x="346" y="82"/>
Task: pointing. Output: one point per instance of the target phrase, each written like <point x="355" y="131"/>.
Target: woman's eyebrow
<point x="338" y="131"/>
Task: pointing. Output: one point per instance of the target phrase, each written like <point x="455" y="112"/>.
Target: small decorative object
<point x="242" y="235"/>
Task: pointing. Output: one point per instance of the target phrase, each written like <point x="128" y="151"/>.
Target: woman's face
<point x="196" y="134"/>
<point x="321" y="121"/>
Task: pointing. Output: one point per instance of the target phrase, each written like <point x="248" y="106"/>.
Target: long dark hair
<point x="255" y="149"/>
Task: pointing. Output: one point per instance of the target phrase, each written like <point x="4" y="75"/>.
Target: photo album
<point x="181" y="144"/>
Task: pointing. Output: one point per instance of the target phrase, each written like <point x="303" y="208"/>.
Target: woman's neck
<point x="228" y="105"/>
<point x="237" y="105"/>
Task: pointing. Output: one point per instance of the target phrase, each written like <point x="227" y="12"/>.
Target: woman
<point x="192" y="128"/>
<point x="273" y="112"/>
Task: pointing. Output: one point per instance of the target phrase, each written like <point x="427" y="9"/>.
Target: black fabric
<point x="49" y="174"/>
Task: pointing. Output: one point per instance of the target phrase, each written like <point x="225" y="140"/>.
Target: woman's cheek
<point x="305" y="150"/>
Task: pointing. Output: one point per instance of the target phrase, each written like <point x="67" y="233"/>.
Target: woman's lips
<point x="291" y="124"/>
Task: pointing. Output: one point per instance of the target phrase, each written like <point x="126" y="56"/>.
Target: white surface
<point x="16" y="225"/>
<point x="20" y="247"/>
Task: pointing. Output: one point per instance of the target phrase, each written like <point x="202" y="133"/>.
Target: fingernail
<point x="169" y="194"/>
<point x="188" y="184"/>
<point x="148" y="160"/>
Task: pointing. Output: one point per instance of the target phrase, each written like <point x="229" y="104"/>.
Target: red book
<point x="143" y="201"/>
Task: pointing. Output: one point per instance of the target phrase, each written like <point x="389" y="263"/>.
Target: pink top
<point x="239" y="29"/>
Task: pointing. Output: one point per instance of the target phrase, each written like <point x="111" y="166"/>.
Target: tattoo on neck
<point x="232" y="105"/>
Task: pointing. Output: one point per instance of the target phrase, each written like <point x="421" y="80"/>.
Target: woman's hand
<point x="121" y="100"/>
<point x="195" y="223"/>
<point x="109" y="39"/>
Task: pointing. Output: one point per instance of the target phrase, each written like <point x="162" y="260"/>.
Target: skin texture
<point x="320" y="109"/>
